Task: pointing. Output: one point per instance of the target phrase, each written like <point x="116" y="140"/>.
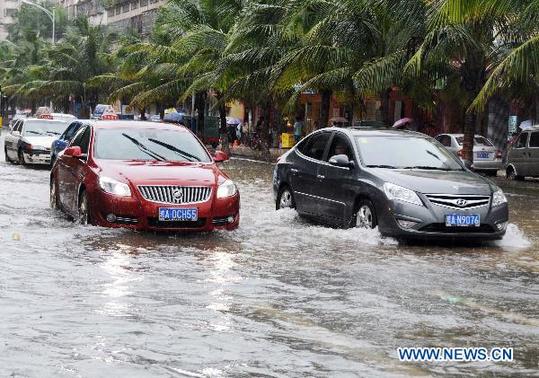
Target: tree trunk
<point x="324" y="109"/>
<point x="266" y="136"/>
<point x="536" y="109"/>
<point x="200" y="106"/>
<point x="223" y="127"/>
<point x="143" y="114"/>
<point x="469" y="132"/>
<point x="384" y="107"/>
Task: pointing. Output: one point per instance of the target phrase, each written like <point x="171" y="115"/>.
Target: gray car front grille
<point x="175" y="194"/>
<point x="459" y="201"/>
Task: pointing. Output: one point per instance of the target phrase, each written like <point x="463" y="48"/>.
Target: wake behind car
<point x="30" y="140"/>
<point x="144" y="176"/>
<point x="404" y="182"/>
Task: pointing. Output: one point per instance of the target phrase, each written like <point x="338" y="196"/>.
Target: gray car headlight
<point x="226" y="189"/>
<point x="398" y="193"/>
<point x="498" y="198"/>
<point x="115" y="187"/>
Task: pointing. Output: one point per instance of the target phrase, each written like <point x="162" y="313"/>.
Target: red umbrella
<point x="402" y="122"/>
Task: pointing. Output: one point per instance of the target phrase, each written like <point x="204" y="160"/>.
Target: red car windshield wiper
<point x="145" y="149"/>
<point x="186" y="155"/>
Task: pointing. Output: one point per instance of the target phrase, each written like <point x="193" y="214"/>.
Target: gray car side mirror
<point x="341" y="160"/>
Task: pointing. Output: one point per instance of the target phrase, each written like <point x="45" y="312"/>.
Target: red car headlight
<point x="226" y="189"/>
<point x="115" y="187"/>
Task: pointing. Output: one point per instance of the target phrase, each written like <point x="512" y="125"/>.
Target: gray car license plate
<point x="462" y="220"/>
<point x="171" y="214"/>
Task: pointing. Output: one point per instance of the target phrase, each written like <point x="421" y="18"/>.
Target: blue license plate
<point x="482" y="154"/>
<point x="462" y="220"/>
<point x="171" y="214"/>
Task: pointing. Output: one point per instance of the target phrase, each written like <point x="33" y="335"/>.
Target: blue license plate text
<point x="175" y="214"/>
<point x="462" y="220"/>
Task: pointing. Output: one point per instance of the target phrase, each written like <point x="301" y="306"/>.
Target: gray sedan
<point x="404" y="183"/>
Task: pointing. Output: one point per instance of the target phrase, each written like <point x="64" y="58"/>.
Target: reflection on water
<point x="277" y="297"/>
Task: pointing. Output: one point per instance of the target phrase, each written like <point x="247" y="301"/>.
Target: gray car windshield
<point x="50" y="128"/>
<point x="148" y="144"/>
<point x="405" y="152"/>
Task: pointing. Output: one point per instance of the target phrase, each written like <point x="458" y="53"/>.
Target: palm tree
<point x="463" y="44"/>
<point x="84" y="53"/>
<point x="40" y="71"/>
<point x="515" y="68"/>
<point x="349" y="47"/>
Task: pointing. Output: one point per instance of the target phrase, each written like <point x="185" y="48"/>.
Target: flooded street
<point x="277" y="297"/>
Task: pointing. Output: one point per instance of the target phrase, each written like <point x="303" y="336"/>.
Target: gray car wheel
<point x="285" y="199"/>
<point x="365" y="217"/>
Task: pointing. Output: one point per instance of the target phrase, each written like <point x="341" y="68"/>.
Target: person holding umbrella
<point x="403" y="124"/>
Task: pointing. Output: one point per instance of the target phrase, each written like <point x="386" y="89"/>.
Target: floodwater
<point x="277" y="297"/>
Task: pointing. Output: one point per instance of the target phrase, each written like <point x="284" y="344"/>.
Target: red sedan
<point x="144" y="176"/>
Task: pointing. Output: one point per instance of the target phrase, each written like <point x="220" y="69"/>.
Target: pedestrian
<point x="298" y="129"/>
<point x="258" y="126"/>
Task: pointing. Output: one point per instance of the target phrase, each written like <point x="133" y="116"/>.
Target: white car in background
<point x="486" y="157"/>
<point x="63" y="117"/>
<point x="30" y="140"/>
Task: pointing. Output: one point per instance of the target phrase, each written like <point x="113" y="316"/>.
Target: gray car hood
<point x="437" y="182"/>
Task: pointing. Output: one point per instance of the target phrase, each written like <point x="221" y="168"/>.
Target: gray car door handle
<point x="293" y="170"/>
<point x="321" y="177"/>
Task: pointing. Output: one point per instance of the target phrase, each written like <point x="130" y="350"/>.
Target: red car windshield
<point x="148" y="144"/>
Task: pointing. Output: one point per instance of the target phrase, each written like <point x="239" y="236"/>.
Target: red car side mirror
<point x="220" y="156"/>
<point x="74" y="151"/>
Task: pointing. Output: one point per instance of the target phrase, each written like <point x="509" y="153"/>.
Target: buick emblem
<point x="177" y="195"/>
<point x="461" y="202"/>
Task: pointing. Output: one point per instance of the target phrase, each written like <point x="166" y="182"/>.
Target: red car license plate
<point x="171" y="214"/>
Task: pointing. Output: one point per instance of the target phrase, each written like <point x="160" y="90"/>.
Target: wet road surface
<point x="277" y="297"/>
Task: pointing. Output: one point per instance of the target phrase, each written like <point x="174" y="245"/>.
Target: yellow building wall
<point x="237" y="110"/>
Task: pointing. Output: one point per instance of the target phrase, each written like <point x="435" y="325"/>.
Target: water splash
<point x="514" y="239"/>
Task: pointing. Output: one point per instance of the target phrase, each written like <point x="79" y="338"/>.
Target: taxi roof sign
<point x="109" y="117"/>
<point x="45" y="116"/>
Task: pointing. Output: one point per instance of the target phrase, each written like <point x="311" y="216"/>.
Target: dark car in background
<point x="100" y="109"/>
<point x="63" y="141"/>
<point x="404" y="182"/>
<point x="523" y="155"/>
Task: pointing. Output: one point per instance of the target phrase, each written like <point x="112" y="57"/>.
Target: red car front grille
<point x="175" y="194"/>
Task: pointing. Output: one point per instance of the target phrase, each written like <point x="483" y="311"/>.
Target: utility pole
<point x="49" y="13"/>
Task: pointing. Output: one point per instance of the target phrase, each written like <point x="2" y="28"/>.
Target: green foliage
<point x="269" y="51"/>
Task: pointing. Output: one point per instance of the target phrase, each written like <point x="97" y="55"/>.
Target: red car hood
<point x="161" y="173"/>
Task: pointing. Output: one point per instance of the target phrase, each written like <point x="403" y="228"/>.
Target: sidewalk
<point x="246" y="152"/>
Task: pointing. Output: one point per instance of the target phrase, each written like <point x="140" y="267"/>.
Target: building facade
<point x="121" y="16"/>
<point x="8" y="9"/>
<point x="93" y="9"/>
<point x="133" y="15"/>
